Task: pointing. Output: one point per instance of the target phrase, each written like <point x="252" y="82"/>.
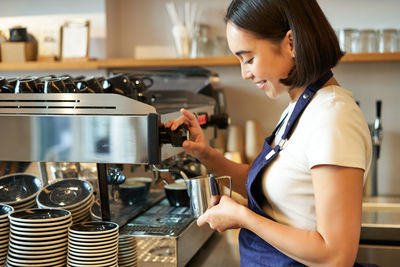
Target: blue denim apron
<point x="254" y="251"/>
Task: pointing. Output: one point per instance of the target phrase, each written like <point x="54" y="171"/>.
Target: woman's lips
<point x="261" y="84"/>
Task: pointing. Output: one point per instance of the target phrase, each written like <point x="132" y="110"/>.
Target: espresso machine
<point x="109" y="135"/>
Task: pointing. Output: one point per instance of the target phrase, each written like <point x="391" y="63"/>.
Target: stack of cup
<point x="235" y="144"/>
<point x="252" y="142"/>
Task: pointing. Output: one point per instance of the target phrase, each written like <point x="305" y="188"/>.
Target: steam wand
<point x="156" y="171"/>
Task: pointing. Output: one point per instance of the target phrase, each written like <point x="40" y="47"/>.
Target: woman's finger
<point x="192" y="146"/>
<point x="202" y="220"/>
<point x="178" y="122"/>
<point x="169" y="123"/>
<point x="191" y="117"/>
<point x="188" y="114"/>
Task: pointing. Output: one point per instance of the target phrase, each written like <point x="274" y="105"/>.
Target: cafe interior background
<point x="142" y="30"/>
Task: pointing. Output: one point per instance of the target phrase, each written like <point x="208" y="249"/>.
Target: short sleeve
<point x="339" y="136"/>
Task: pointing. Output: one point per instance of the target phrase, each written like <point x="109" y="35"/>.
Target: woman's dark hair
<point x="315" y="43"/>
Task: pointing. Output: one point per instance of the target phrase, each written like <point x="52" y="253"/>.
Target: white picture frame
<point x="75" y="36"/>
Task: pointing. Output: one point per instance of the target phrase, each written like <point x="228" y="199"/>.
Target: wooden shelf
<point x="371" y="57"/>
<point x="49" y="65"/>
<point x="167" y="62"/>
<point x="113" y="63"/>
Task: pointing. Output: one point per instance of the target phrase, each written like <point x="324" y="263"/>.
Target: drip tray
<point x="166" y="236"/>
<point x="161" y="219"/>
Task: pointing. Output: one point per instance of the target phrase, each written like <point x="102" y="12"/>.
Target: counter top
<point x="381" y="212"/>
<point x="381" y="203"/>
<point x="222" y="249"/>
<point x="381" y="220"/>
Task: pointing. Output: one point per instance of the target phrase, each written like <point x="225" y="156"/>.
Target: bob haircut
<point x="315" y="43"/>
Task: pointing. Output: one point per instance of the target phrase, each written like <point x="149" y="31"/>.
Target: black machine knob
<point x="115" y="177"/>
<point x="221" y="121"/>
<point x="176" y="138"/>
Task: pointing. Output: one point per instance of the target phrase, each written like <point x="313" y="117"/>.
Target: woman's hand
<point x="224" y="216"/>
<point x="197" y="146"/>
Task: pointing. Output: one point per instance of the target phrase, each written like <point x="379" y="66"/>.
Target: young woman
<point x="305" y="188"/>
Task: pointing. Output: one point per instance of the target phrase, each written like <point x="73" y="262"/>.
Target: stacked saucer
<point x="38" y="237"/>
<point x="4" y="231"/>
<point x="19" y="190"/>
<point x="127" y="255"/>
<point x="93" y="244"/>
<point x="74" y="195"/>
<point x="95" y="211"/>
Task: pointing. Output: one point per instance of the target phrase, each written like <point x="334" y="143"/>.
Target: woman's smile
<point x="261" y="84"/>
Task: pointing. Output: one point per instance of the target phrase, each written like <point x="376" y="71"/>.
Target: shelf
<point x="49" y="65"/>
<point x="167" y="62"/>
<point x="113" y="63"/>
<point x="371" y="57"/>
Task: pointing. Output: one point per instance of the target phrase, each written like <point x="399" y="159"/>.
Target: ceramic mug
<point x="26" y="86"/>
<point x="177" y="194"/>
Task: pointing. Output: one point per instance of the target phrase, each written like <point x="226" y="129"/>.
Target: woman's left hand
<point x="226" y="215"/>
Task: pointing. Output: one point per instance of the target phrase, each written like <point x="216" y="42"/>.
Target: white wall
<point x="40" y="15"/>
<point x="132" y="23"/>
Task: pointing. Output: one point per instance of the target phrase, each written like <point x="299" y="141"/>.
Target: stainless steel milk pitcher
<point x="206" y="191"/>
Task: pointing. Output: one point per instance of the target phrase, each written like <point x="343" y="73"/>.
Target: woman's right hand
<point x="197" y="145"/>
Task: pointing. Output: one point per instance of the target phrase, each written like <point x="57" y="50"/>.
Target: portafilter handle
<point x="175" y="138"/>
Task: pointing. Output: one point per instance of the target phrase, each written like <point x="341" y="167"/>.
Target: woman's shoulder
<point x="334" y="94"/>
<point x="334" y="104"/>
<point x="333" y="98"/>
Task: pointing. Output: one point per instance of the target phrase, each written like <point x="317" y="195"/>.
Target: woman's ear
<point x="290" y="44"/>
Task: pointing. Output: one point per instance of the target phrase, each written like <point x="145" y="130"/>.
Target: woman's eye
<point x="249" y="61"/>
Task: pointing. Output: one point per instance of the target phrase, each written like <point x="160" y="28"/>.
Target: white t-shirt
<point x="332" y="130"/>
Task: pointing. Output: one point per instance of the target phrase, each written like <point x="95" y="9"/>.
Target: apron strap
<point x="302" y="103"/>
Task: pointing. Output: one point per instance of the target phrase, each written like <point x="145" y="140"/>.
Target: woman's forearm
<point x="218" y="164"/>
<point x="306" y="246"/>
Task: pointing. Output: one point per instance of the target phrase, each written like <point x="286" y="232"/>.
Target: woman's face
<point x="262" y="61"/>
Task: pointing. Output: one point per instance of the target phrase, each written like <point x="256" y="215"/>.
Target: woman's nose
<point x="246" y="74"/>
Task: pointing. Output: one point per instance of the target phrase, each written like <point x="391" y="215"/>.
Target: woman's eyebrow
<point x="241" y="52"/>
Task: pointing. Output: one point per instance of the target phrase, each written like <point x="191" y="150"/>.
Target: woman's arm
<point x="209" y="157"/>
<point x="338" y="200"/>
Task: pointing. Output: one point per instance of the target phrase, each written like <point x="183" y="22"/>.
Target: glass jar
<point x="221" y="46"/>
<point x="349" y="40"/>
<point x="388" y="41"/>
<point x="201" y="43"/>
<point x="369" y="41"/>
